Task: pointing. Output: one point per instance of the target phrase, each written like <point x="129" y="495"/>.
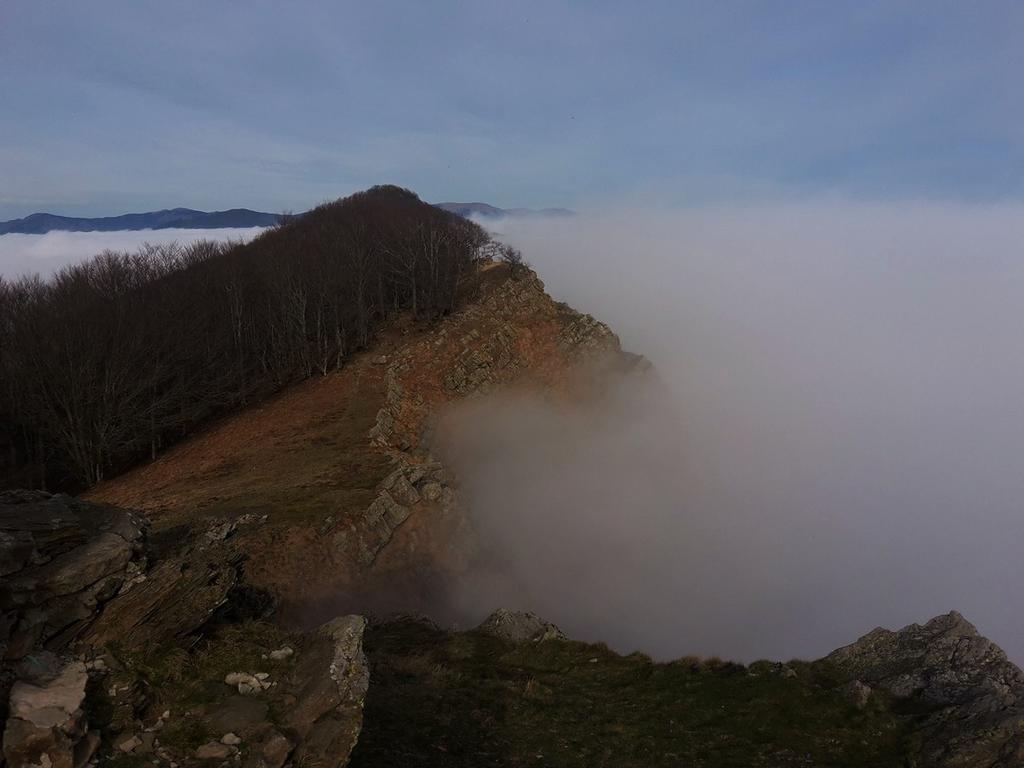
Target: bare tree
<point x="115" y="358"/>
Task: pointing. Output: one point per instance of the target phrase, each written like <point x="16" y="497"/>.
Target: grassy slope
<point x="301" y="455"/>
<point x="443" y="699"/>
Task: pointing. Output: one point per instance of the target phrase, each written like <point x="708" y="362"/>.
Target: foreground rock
<point x="46" y="724"/>
<point x="976" y="694"/>
<point x="177" y="597"/>
<point x="60" y="560"/>
<point x="332" y="678"/>
<point x="519" y="627"/>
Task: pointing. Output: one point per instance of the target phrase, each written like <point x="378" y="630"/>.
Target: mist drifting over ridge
<point x="835" y="440"/>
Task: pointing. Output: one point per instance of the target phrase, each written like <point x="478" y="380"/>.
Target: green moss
<point x="441" y="699"/>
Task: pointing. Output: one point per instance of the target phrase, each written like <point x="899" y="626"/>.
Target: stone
<point x="45" y="723"/>
<point x="214" y="750"/>
<point x="375" y="527"/>
<point x="127" y="743"/>
<point x="401" y="488"/>
<point x="519" y="626"/>
<point x="238" y="714"/>
<point x="333" y="678"/>
<point x="179" y="595"/>
<point x="432" y="491"/>
<point x="275" y="750"/>
<point x="976" y="693"/>
<point x="53" y="703"/>
<point x="221" y="532"/>
<point x="230" y="739"/>
<point x="281" y="654"/>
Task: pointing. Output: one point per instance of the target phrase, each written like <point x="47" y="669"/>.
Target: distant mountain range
<point x="175" y="218"/>
<point x="492" y="212"/>
<point x="488" y="211"/>
<point x="187" y="218"/>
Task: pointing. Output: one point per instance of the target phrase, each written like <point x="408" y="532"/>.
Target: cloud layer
<point x="45" y="254"/>
<point x="836" y="441"/>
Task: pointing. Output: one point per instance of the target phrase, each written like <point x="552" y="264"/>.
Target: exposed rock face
<point x="513" y="333"/>
<point x="486" y="344"/>
<point x="408" y="486"/>
<point x="519" y="626"/>
<point x="60" y="559"/>
<point x="332" y="677"/>
<point x="977" y="694"/>
<point x="73" y="574"/>
<point x="177" y="596"/>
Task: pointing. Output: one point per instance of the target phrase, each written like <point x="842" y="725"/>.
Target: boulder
<point x="519" y="626"/>
<point x="46" y="724"/>
<point x="178" y="596"/>
<point x="60" y="560"/>
<point x="331" y="679"/>
<point x="975" y="696"/>
<point x="273" y="752"/>
<point x="214" y="750"/>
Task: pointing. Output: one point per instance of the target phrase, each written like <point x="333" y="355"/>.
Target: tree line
<point x="114" y="358"/>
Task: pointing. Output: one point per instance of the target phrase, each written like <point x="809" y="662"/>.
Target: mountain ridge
<point x="240" y="218"/>
<point x="488" y="211"/>
<point x="170" y="218"/>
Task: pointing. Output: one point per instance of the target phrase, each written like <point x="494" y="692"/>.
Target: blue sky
<point x="115" y="106"/>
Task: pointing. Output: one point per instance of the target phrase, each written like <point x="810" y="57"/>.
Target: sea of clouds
<point x="835" y="439"/>
<point x="45" y="254"/>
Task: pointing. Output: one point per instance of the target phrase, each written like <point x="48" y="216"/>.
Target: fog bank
<point x="836" y="441"/>
<point x="45" y="254"/>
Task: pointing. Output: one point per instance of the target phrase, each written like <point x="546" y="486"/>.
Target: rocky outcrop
<point x="179" y="594"/>
<point x="74" y="576"/>
<point x="519" y="627"/>
<point x="514" y="331"/>
<point x="409" y="485"/>
<point x="60" y="560"/>
<point x="332" y="677"/>
<point x="975" y="696"/>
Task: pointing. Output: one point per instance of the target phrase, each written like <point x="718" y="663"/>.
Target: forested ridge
<point x="114" y="358"/>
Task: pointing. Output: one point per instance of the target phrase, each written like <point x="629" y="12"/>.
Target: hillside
<point x="320" y="459"/>
<point x="117" y="357"/>
<point x="251" y="598"/>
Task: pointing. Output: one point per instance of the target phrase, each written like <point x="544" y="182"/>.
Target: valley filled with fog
<point x="835" y="439"/>
<point x="46" y="254"/>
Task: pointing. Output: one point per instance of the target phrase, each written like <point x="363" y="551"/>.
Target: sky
<point x="113" y="106"/>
